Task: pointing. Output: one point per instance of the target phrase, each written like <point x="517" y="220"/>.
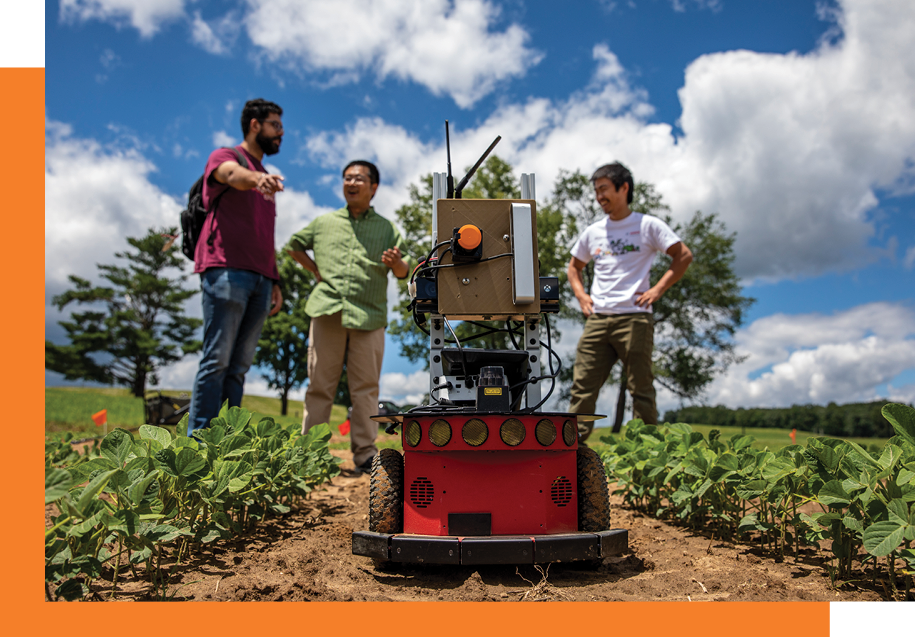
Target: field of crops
<point x="858" y="500"/>
<point x="140" y="503"/>
<point x="129" y="500"/>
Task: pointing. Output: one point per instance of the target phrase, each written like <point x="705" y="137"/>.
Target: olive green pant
<point x="607" y="339"/>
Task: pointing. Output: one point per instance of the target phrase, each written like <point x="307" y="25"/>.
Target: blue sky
<point x="794" y="121"/>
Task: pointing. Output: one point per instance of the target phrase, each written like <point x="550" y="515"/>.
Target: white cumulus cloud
<point x="404" y="388"/>
<point x="95" y="197"/>
<point x="814" y="358"/>
<point x="789" y="150"/>
<point x="147" y="16"/>
<point x="448" y="46"/>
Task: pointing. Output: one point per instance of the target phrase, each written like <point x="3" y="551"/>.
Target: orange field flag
<point x="344" y="427"/>
<point x="100" y="418"/>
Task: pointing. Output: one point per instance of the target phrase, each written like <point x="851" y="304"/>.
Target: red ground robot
<point x="486" y="478"/>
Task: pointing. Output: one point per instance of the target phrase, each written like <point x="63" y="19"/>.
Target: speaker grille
<point x="512" y="432"/>
<point x="545" y="432"/>
<point x="422" y="493"/>
<point x="569" y="432"/>
<point x="413" y="433"/>
<point x="475" y="432"/>
<point x="440" y="433"/>
<point x="561" y="491"/>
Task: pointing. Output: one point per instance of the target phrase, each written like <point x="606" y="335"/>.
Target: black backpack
<point x="193" y="217"/>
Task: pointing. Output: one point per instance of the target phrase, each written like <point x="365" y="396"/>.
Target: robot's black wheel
<point x="386" y="493"/>
<point x="593" y="492"/>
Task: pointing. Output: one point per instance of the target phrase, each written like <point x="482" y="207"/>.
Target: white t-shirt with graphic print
<point x="622" y="252"/>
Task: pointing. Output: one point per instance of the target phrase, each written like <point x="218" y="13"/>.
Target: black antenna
<point x="450" y="194"/>
<point x="460" y="186"/>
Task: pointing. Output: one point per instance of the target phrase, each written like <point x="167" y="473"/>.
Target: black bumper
<point x="511" y="549"/>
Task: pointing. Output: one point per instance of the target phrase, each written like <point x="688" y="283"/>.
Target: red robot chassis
<point x="489" y="489"/>
<point x="486" y="478"/>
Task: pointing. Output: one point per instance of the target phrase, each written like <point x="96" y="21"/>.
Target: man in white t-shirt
<point x="619" y="323"/>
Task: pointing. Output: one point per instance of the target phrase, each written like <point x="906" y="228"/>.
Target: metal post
<point x="436" y="343"/>
<point x="532" y="345"/>
<point x="528" y="188"/>
<point x="439" y="189"/>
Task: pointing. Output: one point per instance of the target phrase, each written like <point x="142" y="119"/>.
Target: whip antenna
<point x="460" y="186"/>
<point x="450" y="193"/>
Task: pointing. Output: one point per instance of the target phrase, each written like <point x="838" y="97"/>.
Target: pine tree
<point x="136" y="325"/>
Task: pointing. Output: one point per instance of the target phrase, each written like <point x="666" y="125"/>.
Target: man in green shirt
<point x="354" y="248"/>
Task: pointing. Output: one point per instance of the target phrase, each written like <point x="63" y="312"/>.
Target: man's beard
<point x="270" y="145"/>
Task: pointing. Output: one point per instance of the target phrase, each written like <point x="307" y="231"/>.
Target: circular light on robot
<point x="440" y="433"/>
<point x="512" y="432"/>
<point x="413" y="433"/>
<point x="475" y="432"/>
<point x="545" y="432"/>
<point x="569" y="432"/>
<point x="470" y="237"/>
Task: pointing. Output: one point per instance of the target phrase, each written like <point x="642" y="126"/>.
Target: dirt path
<point x="307" y="556"/>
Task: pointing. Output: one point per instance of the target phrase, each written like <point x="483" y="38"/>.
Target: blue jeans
<point x="235" y="306"/>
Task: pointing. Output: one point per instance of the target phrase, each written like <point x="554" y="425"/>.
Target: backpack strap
<point x="243" y="162"/>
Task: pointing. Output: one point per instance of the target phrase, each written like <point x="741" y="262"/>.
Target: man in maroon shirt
<point x="236" y="260"/>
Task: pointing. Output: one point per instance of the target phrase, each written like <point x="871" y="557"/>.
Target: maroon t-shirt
<point x="242" y="226"/>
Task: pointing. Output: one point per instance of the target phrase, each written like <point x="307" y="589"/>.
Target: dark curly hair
<point x="257" y="109"/>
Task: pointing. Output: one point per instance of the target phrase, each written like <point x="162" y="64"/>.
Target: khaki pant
<point x="328" y="344"/>
<point x="607" y="339"/>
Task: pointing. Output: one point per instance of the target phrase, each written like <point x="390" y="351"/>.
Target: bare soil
<point x="306" y="556"/>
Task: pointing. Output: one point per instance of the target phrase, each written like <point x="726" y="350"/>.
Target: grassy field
<point x="70" y="409"/>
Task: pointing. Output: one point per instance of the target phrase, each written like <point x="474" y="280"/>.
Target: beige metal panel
<point x="488" y="292"/>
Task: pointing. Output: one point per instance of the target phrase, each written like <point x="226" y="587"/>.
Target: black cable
<point x="460" y="349"/>
<point x="553" y="374"/>
<point x="440" y="401"/>
<point x="428" y="257"/>
<point x="457" y="265"/>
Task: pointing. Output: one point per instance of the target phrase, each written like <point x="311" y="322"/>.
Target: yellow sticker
<point x="492" y="391"/>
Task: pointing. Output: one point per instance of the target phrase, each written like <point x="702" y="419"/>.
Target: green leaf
<point x="140" y="555"/>
<point x="890" y="456"/>
<point x="237" y="418"/>
<point x="163" y="533"/>
<point x="56" y="483"/>
<point x="117" y="446"/>
<point x="898" y="511"/>
<point x="72" y="590"/>
<point x="123" y="520"/>
<point x="137" y="490"/>
<point x="902" y="418"/>
<point x="94" y="488"/>
<point x="188" y="462"/>
<point x="191" y="443"/>
<point x="833" y="494"/>
<point x="882" y="538"/>
<point x="181" y="427"/>
<point x="166" y="461"/>
<point x="158" y="434"/>
<point x="852" y="523"/>
<point x="777" y="469"/>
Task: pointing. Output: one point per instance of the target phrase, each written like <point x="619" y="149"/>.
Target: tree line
<point x="862" y="420"/>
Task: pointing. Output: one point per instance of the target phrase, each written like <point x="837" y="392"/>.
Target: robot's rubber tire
<point x="386" y="492"/>
<point x="593" y="492"/>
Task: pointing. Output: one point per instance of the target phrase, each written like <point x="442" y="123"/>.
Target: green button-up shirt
<point x="347" y="251"/>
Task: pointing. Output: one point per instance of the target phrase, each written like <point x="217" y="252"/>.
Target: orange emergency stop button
<point x="470" y="237"/>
